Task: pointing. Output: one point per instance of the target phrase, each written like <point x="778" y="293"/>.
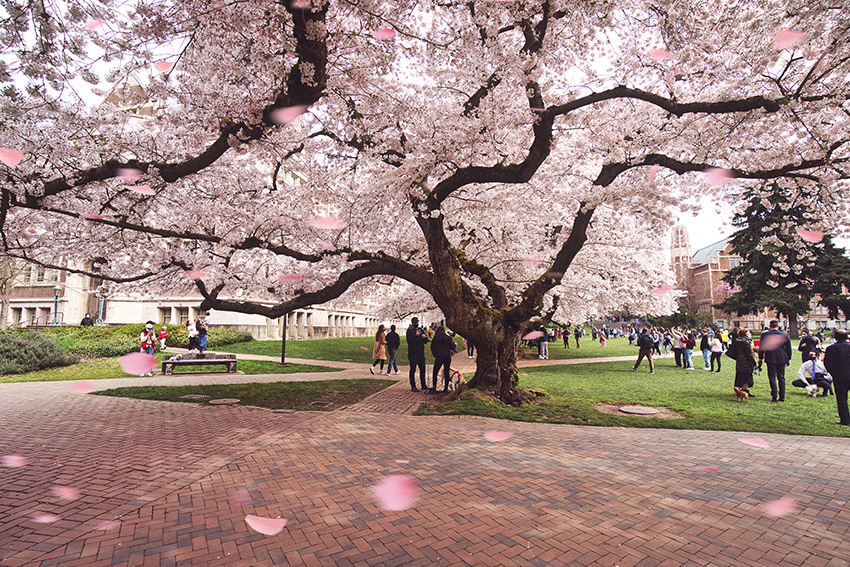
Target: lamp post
<point x="101" y="299"/>
<point x="57" y="290"/>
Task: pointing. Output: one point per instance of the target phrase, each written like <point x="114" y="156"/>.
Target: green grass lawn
<point x="330" y="394"/>
<point x="342" y="349"/>
<point x="101" y="368"/>
<point x="705" y="398"/>
<point x="589" y="349"/>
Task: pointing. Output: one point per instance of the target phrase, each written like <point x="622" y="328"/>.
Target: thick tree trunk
<point x="793" y="327"/>
<point x="496" y="372"/>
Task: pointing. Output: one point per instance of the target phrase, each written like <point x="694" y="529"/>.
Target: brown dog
<point x="742" y="395"/>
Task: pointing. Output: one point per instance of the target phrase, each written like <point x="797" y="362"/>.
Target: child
<point x="163" y="334"/>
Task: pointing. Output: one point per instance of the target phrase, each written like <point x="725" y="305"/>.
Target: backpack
<point x="645" y="341"/>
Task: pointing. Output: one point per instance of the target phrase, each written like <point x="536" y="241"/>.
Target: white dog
<point x="811" y="390"/>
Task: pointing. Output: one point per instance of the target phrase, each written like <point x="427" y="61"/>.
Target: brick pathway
<point x="179" y="479"/>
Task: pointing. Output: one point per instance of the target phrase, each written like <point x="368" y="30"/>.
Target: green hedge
<point x="217" y="337"/>
<point x="21" y="353"/>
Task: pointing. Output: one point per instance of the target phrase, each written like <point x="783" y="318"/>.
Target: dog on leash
<point x="743" y="396"/>
<point x="456" y="380"/>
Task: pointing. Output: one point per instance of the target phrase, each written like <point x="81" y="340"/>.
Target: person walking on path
<point x="470" y="348"/>
<point x="393" y="342"/>
<point x="442" y="347"/>
<point x="416" y="340"/>
<point x="745" y="362"/>
<point x="379" y="351"/>
<point x="837" y="363"/>
<point x="775" y="350"/>
<point x="645" y="345"/>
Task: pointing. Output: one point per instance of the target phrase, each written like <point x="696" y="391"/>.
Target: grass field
<point x="704" y="398"/>
<point x="301" y="396"/>
<point x="101" y="368"/>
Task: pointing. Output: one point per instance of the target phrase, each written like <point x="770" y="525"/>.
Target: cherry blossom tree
<point x="508" y="158"/>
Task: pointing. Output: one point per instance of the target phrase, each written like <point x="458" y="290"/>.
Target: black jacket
<point x="837" y="362"/>
<point x="443" y="346"/>
<point x="416" y="340"/>
<point x="780" y="353"/>
<point x="393" y="341"/>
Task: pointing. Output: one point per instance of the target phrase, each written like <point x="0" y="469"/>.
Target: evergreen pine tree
<point x="781" y="270"/>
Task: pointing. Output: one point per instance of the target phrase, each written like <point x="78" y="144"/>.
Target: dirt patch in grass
<point x="663" y="413"/>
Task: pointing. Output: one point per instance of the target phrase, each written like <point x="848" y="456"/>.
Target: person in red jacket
<point x="163" y="334"/>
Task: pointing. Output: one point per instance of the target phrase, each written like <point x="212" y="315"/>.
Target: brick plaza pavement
<point x="176" y="481"/>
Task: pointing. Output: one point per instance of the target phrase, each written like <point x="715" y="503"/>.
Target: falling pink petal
<point x="163" y="66"/>
<point x="195" y="274"/>
<point x="142" y="189"/>
<point x="532" y="261"/>
<point x="328" y="246"/>
<point x="66" y="492"/>
<point x="93" y="217"/>
<point x="289" y="277"/>
<point x="288" y="114"/>
<point x="82" y="387"/>
<point x="108" y="525"/>
<point x="45" y="518"/>
<point x="93" y="24"/>
<point x="98" y="92"/>
<point x="496" y="436"/>
<point x="653" y="171"/>
<point x="14" y="461"/>
<point x="534" y="109"/>
<point x="396" y="492"/>
<point x="302" y="4"/>
<point x="137" y="363"/>
<point x="533" y="335"/>
<point x="755" y="442"/>
<point x="11" y="157"/>
<point x="240" y="498"/>
<point x="7" y="297"/>
<point x="555" y="275"/>
<point x="778" y="508"/>
<point x="718" y="176"/>
<point x="811" y="236"/>
<point x="383" y="33"/>
<point x="325" y="223"/>
<point x="401" y="461"/>
<point x="365" y="348"/>
<point x="785" y="39"/>
<point x="663" y="289"/>
<point x="130" y="174"/>
<point x="266" y="526"/>
<point x="735" y="289"/>
<point x="708" y="469"/>
<point x="772" y="342"/>
<point x="660" y="55"/>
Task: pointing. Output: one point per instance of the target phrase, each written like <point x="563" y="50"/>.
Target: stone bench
<point x="202" y="359"/>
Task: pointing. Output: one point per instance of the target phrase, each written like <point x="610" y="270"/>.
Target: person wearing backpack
<point x="645" y="346"/>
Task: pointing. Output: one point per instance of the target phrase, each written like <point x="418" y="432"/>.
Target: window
<point x="734" y="262"/>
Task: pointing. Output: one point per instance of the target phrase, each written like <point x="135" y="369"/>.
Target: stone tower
<point x="680" y="255"/>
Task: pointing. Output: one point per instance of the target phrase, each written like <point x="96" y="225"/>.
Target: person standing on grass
<point x="837" y="363"/>
<point x="705" y="347"/>
<point x="442" y="347"/>
<point x="393" y="342"/>
<point x="379" y="351"/>
<point x="716" y="352"/>
<point x="577" y="335"/>
<point x="688" y="345"/>
<point x="775" y="350"/>
<point x="543" y="342"/>
<point x="745" y="362"/>
<point x="645" y="346"/>
<point x="808" y="344"/>
<point x="416" y="340"/>
<point x="566" y="335"/>
<point x="678" y="346"/>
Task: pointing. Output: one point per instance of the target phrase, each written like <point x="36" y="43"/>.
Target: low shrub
<point x="30" y="352"/>
<point x="218" y="337"/>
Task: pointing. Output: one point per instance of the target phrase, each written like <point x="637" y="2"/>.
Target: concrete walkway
<point x="126" y="482"/>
